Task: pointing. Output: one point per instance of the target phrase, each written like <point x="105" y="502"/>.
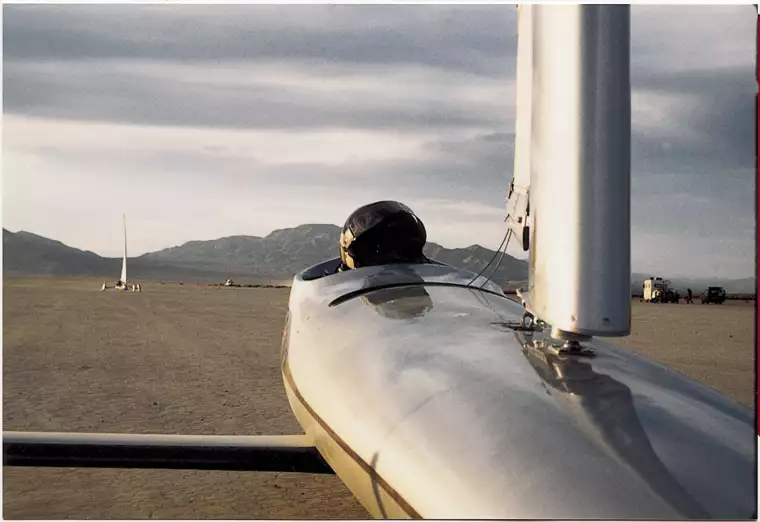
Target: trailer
<point x="658" y="290"/>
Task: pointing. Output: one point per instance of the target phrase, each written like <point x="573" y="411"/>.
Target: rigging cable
<point x="509" y="236"/>
<point x="494" y="257"/>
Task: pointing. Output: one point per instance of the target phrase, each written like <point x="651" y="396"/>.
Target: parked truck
<point x="714" y="294"/>
<point x="658" y="290"/>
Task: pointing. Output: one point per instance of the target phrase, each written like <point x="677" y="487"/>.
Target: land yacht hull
<point x="428" y="400"/>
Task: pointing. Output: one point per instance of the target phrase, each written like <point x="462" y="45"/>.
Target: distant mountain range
<point x="277" y="256"/>
<point x="27" y="254"/>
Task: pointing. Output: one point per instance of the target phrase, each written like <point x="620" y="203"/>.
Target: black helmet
<point x="381" y="233"/>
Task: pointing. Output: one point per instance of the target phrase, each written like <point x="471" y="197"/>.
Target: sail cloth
<point x="123" y="278"/>
<point x="524" y="80"/>
<point x="518" y="200"/>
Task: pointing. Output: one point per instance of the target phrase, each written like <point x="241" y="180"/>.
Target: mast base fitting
<point x="563" y="335"/>
<point x="572" y="343"/>
<point x="571" y="348"/>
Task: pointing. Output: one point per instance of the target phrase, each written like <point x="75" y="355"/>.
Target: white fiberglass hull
<point x="428" y="405"/>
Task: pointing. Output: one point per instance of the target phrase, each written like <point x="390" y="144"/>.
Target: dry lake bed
<point x="201" y="360"/>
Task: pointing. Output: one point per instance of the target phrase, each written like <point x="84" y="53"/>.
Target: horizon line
<point x="633" y="273"/>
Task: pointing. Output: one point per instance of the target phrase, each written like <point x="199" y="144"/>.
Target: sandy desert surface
<point x="201" y="360"/>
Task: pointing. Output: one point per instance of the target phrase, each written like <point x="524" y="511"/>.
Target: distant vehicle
<point x="228" y="282"/>
<point x="658" y="290"/>
<point x="671" y="295"/>
<point x="714" y="294"/>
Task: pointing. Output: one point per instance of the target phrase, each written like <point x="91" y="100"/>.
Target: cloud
<point x="474" y="39"/>
<point x="700" y="256"/>
<point x="672" y="38"/>
<point x="703" y="118"/>
<point x="241" y="119"/>
<point x="263" y="96"/>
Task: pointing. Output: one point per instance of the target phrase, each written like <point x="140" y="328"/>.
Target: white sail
<point x="123" y="278"/>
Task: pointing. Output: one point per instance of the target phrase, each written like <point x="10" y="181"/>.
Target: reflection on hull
<point x="450" y="414"/>
<point x="604" y="409"/>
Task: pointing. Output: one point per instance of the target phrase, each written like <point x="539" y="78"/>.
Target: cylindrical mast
<point x="124" y="260"/>
<point x="124" y="219"/>
<point x="580" y="241"/>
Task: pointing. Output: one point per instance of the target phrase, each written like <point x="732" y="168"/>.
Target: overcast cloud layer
<point x="214" y="121"/>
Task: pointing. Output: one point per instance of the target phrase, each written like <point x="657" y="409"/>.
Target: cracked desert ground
<point x="201" y="360"/>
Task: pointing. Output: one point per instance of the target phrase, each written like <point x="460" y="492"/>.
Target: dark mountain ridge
<point x="278" y="255"/>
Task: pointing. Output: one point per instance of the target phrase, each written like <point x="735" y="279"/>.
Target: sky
<point x="201" y="122"/>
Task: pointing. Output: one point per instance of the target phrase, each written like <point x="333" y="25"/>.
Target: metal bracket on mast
<point x="518" y="210"/>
